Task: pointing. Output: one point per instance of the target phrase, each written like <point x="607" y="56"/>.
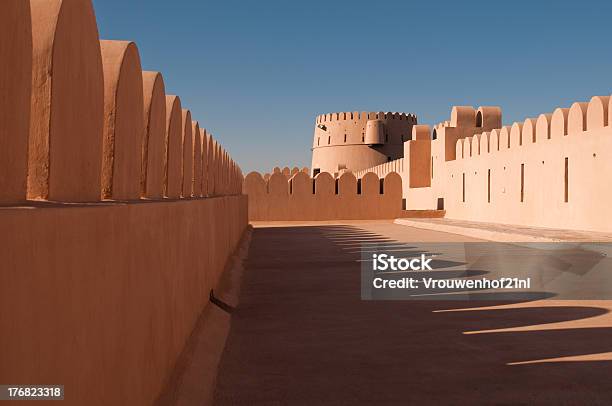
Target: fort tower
<point x="354" y="141"/>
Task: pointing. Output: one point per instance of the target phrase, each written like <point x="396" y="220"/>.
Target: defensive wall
<point x="286" y="171"/>
<point x="118" y="210"/>
<point x="353" y="141"/>
<point x="323" y="197"/>
<point x="551" y="170"/>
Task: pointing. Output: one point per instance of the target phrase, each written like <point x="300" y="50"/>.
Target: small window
<point x="316" y="171"/>
<point x="522" y="183"/>
<point x="566" y="192"/>
<point x="318" y="141"/>
<point x="345" y="138"/>
<point x="479" y="119"/>
<point x="328" y="140"/>
<point x="489" y="186"/>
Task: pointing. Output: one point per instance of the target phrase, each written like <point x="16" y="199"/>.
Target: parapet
<point x="580" y="117"/>
<point x="364" y="116"/>
<point x="488" y="117"/>
<point x="323" y="197"/>
<point x="84" y="123"/>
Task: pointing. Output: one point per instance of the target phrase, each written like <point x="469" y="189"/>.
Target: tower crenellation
<point x="357" y="140"/>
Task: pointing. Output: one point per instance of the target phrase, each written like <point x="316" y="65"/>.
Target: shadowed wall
<point x="105" y="268"/>
<point x="323" y="197"/>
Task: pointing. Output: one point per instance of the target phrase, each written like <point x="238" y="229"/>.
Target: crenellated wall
<point x="323" y="197"/>
<point x="548" y="171"/>
<point x="286" y="171"/>
<point x="354" y="141"/>
<point x="551" y="174"/>
<point x="118" y="210"/>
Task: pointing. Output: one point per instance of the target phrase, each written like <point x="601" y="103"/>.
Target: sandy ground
<point x="302" y="335"/>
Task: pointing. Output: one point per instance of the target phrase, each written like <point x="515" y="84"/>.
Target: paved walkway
<point x="302" y="335"/>
<point x="504" y="232"/>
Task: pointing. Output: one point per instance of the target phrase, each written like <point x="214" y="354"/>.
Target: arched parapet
<point x="370" y="184"/>
<point x="542" y="130"/>
<point x="392" y="187"/>
<point x="300" y="185"/>
<point x="306" y="170"/>
<point x="324" y="204"/>
<point x="528" y="133"/>
<point x="421" y="132"/>
<point x="504" y="138"/>
<point x="277" y="185"/>
<point x="463" y="116"/>
<point x="475" y="147"/>
<point x="494" y="140"/>
<point x="214" y="163"/>
<point x="324" y="184"/>
<point x="287" y="172"/>
<point x="16" y="85"/>
<point x="347" y="185"/>
<point x="484" y="142"/>
<point x="577" y="118"/>
<point x="301" y="198"/>
<point x="174" y="148"/>
<point x="123" y="131"/>
<point x="216" y="184"/>
<point x="196" y="142"/>
<point x="187" y="154"/>
<point x="459" y="149"/>
<point x="67" y="103"/>
<point x="516" y="137"/>
<point x="204" y="139"/>
<point x="558" y="123"/>
<point x="254" y="185"/>
<point x="467" y="147"/>
<point x="153" y="143"/>
<point x="294" y="170"/>
<point x="489" y="117"/>
<point x="597" y="112"/>
<point x="276" y="169"/>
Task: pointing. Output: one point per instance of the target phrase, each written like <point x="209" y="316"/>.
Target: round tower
<point x="356" y="141"/>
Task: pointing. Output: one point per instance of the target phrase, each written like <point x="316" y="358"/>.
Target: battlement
<point x="322" y="197"/>
<point x="356" y="115"/>
<point x="580" y="117"/>
<point x="72" y="125"/>
<point x="352" y="141"/>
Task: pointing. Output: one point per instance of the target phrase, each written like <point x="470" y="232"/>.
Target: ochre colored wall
<point x="104" y="268"/>
<point x="102" y="297"/>
<point x="15" y="88"/>
<point x="323" y="197"/>
<point x="356" y="141"/>
<point x="489" y="164"/>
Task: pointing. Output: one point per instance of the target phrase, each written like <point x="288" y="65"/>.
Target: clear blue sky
<point x="256" y="73"/>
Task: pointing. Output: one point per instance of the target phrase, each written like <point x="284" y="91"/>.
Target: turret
<point x="351" y="141"/>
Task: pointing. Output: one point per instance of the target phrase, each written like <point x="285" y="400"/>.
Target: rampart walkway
<point x="302" y="335"/>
